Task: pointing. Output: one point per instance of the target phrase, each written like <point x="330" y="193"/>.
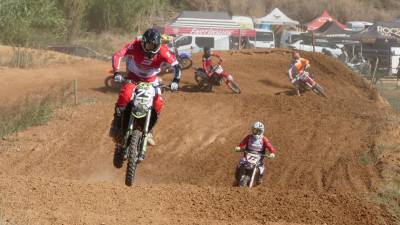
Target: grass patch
<point x="390" y="196"/>
<point x="33" y="111"/>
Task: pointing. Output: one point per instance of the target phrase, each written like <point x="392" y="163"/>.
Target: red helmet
<point x="296" y="55"/>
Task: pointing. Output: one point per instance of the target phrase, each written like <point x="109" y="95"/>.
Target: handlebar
<point x="161" y="85"/>
<point x="254" y="152"/>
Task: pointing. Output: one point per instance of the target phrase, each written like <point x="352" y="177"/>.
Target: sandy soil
<point x="62" y="172"/>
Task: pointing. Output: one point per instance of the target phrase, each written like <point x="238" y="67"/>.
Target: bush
<point x="25" y="21"/>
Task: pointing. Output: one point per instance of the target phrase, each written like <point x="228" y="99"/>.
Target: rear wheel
<point x="203" y="82"/>
<point x="234" y="86"/>
<point x="133" y="157"/>
<point x="244" y="180"/>
<point x="118" y="157"/>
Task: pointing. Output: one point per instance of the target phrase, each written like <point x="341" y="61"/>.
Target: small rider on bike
<point x="255" y="142"/>
<point x="298" y="67"/>
<point x="208" y="63"/>
<point x="144" y="56"/>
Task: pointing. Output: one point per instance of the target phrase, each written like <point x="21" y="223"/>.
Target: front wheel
<point x="234" y="86"/>
<point x="319" y="90"/>
<point x="185" y="63"/>
<point x="133" y="155"/>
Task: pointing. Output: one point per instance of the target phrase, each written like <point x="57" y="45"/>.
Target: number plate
<point x="219" y="69"/>
<point x="252" y="158"/>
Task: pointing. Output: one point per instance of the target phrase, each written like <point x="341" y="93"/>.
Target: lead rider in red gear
<point x="144" y="58"/>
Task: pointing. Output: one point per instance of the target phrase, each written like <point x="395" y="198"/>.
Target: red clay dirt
<point x="62" y="172"/>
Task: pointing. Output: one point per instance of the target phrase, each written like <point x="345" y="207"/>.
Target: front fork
<point x="253" y="176"/>
<point x="227" y="78"/>
<point x="143" y="145"/>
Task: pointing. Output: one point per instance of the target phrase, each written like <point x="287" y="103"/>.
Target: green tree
<point x="25" y="21"/>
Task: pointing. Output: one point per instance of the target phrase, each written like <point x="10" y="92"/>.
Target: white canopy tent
<point x="276" y="17"/>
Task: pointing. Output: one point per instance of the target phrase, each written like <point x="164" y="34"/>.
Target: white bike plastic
<point x="219" y="69"/>
<point x="252" y="158"/>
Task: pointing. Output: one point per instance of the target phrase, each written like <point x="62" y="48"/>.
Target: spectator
<point x="344" y="57"/>
<point x="398" y="71"/>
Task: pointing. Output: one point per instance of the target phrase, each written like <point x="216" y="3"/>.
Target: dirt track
<point x="62" y="173"/>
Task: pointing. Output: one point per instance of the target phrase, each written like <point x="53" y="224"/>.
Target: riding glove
<point x="118" y="77"/>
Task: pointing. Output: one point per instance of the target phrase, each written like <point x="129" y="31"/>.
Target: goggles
<point x="151" y="47"/>
<point x="256" y="131"/>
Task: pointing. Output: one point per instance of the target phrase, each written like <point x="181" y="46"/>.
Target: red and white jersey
<point x="207" y="62"/>
<point x="138" y="64"/>
<point x="250" y="142"/>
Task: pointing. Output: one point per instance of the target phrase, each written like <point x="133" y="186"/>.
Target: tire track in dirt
<point x="316" y="177"/>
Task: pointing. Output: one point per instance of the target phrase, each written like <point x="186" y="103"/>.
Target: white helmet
<point x="257" y="129"/>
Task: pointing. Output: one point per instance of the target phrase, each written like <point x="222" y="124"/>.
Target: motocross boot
<point x="116" y="129"/>
<point x="153" y="122"/>
<point x="150" y="139"/>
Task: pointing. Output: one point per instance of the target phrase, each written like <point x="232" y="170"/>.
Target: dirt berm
<point x="62" y="172"/>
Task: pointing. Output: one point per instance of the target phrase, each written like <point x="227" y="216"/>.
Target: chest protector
<point x="255" y="144"/>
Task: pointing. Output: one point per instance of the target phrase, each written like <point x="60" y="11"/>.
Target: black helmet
<point x="151" y="42"/>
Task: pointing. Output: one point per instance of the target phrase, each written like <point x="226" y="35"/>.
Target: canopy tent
<point x="206" y="23"/>
<point x="378" y="40"/>
<point x="389" y="31"/>
<point x="330" y="29"/>
<point x="276" y="17"/>
<point x="321" y="20"/>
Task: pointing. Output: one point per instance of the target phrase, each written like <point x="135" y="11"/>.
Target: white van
<point x="263" y="39"/>
<point x="194" y="43"/>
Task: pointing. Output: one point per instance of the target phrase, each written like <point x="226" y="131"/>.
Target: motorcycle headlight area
<point x="140" y="110"/>
<point x="249" y="166"/>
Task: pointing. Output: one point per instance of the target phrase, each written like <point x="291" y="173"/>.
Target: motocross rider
<point x="256" y="142"/>
<point x="208" y="64"/>
<point x="298" y="66"/>
<point x="144" y="57"/>
<point x="169" y="41"/>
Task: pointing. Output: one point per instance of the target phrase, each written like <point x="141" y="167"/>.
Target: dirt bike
<point x="218" y="76"/>
<point x="247" y="172"/>
<point x="137" y="120"/>
<point x="305" y="81"/>
<point x="183" y="59"/>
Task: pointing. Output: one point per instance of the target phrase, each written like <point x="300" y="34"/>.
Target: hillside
<point x="62" y="172"/>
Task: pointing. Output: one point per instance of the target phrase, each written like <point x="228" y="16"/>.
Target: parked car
<point x="320" y="45"/>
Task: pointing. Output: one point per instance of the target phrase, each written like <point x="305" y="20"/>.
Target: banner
<point x="389" y="31"/>
<point x="209" y="31"/>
